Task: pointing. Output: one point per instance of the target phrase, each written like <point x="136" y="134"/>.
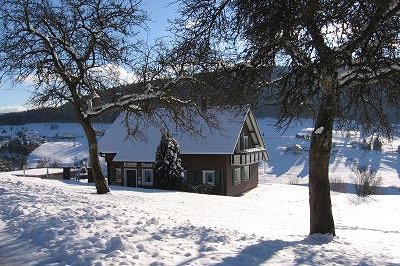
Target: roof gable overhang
<point x="255" y="133"/>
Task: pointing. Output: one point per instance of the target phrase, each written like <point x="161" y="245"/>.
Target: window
<point x="240" y="174"/>
<point x="244" y="142"/>
<point x="147" y="175"/>
<point x="194" y="178"/>
<point x="236" y="159"/>
<point x="245" y="173"/>
<point x="209" y="177"/>
<point x="236" y="176"/>
<point x="118" y="176"/>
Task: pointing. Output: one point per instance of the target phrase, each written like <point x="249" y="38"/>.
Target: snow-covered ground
<point x="36" y="172"/>
<point x="292" y="166"/>
<point x="67" y="223"/>
<point x="64" y="222"/>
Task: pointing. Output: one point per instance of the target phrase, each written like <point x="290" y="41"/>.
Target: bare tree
<point x="77" y="51"/>
<point x="336" y="60"/>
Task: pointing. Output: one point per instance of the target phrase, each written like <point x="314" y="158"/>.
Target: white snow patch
<point x="319" y="130"/>
<point x="10" y="109"/>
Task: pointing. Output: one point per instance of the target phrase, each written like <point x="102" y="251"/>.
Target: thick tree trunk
<point x="99" y="179"/>
<point x="321" y="219"/>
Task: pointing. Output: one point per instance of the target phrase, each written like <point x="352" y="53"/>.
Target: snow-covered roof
<point x="212" y="141"/>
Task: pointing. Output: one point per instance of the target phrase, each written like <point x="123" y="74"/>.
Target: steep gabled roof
<point x="212" y="141"/>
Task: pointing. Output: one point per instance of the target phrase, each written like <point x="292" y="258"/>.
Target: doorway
<point x="131" y="177"/>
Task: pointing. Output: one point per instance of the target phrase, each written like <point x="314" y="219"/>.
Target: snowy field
<point x="60" y="153"/>
<point x="66" y="223"/>
<point x="66" y="143"/>
<point x="292" y="166"/>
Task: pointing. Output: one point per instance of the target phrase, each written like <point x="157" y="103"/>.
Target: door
<point x="130" y="175"/>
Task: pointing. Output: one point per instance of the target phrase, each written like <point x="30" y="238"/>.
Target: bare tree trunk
<point x="99" y="179"/>
<point x="321" y="219"/>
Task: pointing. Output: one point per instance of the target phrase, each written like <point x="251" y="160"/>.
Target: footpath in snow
<point x="61" y="223"/>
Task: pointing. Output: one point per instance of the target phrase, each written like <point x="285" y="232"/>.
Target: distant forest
<point x="62" y="114"/>
<point x="66" y="114"/>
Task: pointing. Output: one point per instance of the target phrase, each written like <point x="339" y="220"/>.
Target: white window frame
<point x="245" y="142"/>
<point x="205" y="172"/>
<point x="144" y="182"/>
<point x="243" y="170"/>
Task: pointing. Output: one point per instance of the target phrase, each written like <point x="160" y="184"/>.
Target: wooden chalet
<point x="225" y="159"/>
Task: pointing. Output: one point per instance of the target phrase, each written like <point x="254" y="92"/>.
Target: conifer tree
<point x="168" y="165"/>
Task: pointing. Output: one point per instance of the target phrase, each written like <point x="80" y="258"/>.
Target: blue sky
<point x="159" y="12"/>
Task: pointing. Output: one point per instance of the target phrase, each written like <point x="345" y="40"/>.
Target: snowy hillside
<point x="62" y="223"/>
<point x="48" y="130"/>
<point x="291" y="166"/>
<point x="59" y="153"/>
<point x="65" y="142"/>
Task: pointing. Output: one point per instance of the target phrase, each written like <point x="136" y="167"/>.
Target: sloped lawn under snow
<point x="288" y="165"/>
<point x="58" y="223"/>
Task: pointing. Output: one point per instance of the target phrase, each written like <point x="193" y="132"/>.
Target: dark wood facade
<point x="195" y="164"/>
<point x="221" y="164"/>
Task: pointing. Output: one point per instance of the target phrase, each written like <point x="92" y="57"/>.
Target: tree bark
<point x="99" y="179"/>
<point x="321" y="219"/>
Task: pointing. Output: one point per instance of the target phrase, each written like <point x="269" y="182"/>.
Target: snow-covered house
<point x="226" y="159"/>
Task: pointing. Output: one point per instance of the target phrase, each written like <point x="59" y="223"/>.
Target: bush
<point x="5" y="166"/>
<point x="366" y="181"/>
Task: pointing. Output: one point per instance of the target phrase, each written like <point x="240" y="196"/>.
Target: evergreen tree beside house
<point x="168" y="165"/>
